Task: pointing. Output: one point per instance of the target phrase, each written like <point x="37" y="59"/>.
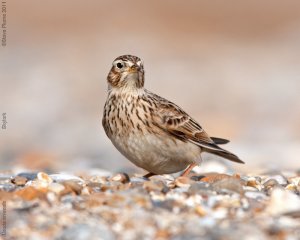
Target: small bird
<point x="153" y="133"/>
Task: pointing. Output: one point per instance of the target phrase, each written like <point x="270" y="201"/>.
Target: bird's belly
<point x="157" y="154"/>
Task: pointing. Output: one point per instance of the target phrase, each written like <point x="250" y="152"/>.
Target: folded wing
<point x="176" y="122"/>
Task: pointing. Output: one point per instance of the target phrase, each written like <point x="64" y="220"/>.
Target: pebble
<point x="138" y="180"/>
<point x="28" y="176"/>
<point x="44" y="177"/>
<point x="94" y="185"/>
<point x="184" y="182"/>
<point x="197" y="177"/>
<point x="294" y="180"/>
<point x="30" y="193"/>
<point x="72" y="186"/>
<point x="282" y="202"/>
<point x="42" y="181"/>
<point x="254" y="182"/>
<point x="98" y="179"/>
<point x="230" y="184"/>
<point x="294" y="214"/>
<point x="56" y="187"/>
<point x="281" y="180"/>
<point x="121" y="177"/>
<point x="19" y="180"/>
<point x="255" y="195"/>
<point x="83" y="231"/>
<point x="292" y="187"/>
<point x="200" y="188"/>
<point x="4" y="176"/>
<point x="270" y="183"/>
<point x="65" y="177"/>
<point x="7" y="187"/>
<point x="216" y="206"/>
<point x="154" y="186"/>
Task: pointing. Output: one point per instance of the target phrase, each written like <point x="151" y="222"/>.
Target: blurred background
<point x="233" y="65"/>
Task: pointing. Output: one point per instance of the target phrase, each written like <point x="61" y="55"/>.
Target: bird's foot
<point x="148" y="175"/>
<point x="188" y="170"/>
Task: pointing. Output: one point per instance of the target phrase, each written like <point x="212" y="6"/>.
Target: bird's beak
<point x="134" y="68"/>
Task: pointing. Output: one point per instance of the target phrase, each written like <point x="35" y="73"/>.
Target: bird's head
<point x="127" y="72"/>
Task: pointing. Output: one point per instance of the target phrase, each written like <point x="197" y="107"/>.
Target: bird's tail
<point x="219" y="141"/>
<point x="224" y="153"/>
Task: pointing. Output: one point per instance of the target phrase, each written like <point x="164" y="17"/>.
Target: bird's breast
<point x="128" y="123"/>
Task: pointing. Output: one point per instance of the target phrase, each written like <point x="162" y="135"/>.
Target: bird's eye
<point x="119" y="65"/>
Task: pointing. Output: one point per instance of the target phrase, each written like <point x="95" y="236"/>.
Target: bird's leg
<point x="188" y="170"/>
<point x="150" y="174"/>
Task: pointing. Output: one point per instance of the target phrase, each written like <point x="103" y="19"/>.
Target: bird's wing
<point x="172" y="119"/>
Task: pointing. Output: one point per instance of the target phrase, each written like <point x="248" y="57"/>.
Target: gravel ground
<point x="101" y="205"/>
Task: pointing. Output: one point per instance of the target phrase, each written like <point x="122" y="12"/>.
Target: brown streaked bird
<point x="152" y="132"/>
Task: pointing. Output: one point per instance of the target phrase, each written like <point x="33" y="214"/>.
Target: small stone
<point x="292" y="187"/>
<point x="56" y="188"/>
<point x="294" y="180"/>
<point x="83" y="231"/>
<point x="43" y="180"/>
<point x="171" y="184"/>
<point x="196" y="178"/>
<point x="4" y="176"/>
<point x="256" y="195"/>
<point x="200" y="188"/>
<point x="72" y="186"/>
<point x="94" y="186"/>
<point x="278" y="178"/>
<point x="163" y="178"/>
<point x="250" y="189"/>
<point x="19" y="181"/>
<point x="98" y="179"/>
<point x="270" y="183"/>
<point x="200" y="211"/>
<point x="29" y="176"/>
<point x="65" y="177"/>
<point x="154" y="186"/>
<point x="162" y="234"/>
<point x="121" y="177"/>
<point x="165" y="189"/>
<point x="4" y="196"/>
<point x="37" y="184"/>
<point x="30" y="193"/>
<point x="8" y="187"/>
<point x="214" y="177"/>
<point x="51" y="196"/>
<point x="254" y="182"/>
<point x="231" y="184"/>
<point x="293" y="214"/>
<point x="86" y="191"/>
<point x="184" y="182"/>
<point x="137" y="182"/>
<point x="168" y="204"/>
<point x="283" y="201"/>
<point x="44" y="177"/>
